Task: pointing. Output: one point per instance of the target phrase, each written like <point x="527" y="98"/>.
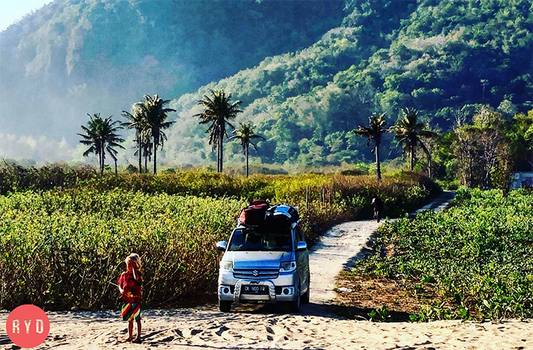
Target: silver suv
<point x="265" y="263"/>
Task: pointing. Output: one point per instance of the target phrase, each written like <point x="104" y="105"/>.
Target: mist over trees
<point x="102" y="55"/>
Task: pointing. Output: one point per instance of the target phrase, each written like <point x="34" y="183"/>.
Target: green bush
<point x="15" y="178"/>
<point x="64" y="248"/>
<point x="477" y="256"/>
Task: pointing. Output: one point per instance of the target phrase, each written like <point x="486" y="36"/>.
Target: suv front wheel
<point x="294" y="306"/>
<point x="305" y="297"/>
<point x="224" y="306"/>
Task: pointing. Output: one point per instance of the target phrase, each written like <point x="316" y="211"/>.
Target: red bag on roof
<point x="254" y="214"/>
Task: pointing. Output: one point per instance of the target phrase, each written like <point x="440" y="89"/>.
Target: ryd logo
<point x="27" y="326"/>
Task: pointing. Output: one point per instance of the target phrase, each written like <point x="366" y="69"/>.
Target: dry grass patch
<point x="398" y="295"/>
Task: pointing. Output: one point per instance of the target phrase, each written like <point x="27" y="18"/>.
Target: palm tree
<point x="218" y="110"/>
<point x="155" y="114"/>
<point x="149" y="119"/>
<point x="374" y="132"/>
<point x="137" y="122"/>
<point x="101" y="135"/>
<point x="409" y="132"/>
<point x="246" y="135"/>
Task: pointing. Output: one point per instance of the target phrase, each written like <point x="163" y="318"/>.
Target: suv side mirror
<point x="221" y="246"/>
<point x="301" y="246"/>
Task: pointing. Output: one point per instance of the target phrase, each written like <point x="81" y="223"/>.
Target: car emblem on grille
<point x="255" y="273"/>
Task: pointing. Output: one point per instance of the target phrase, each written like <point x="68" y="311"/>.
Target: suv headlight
<point x="287" y="266"/>
<point x="226" y="265"/>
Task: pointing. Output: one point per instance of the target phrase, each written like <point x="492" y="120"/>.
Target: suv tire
<point x="305" y="297"/>
<point x="294" y="306"/>
<point x="224" y="306"/>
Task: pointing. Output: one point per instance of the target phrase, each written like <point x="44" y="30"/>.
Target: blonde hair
<point x="133" y="259"/>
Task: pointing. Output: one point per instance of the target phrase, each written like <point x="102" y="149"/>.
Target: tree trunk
<point x="221" y="149"/>
<point x="155" y="158"/>
<point x="221" y="155"/>
<point x="411" y="157"/>
<point x="378" y="164"/>
<point x="246" y="147"/>
<point x="116" y="169"/>
<point x="218" y="156"/>
<point x="102" y="157"/>
<point x="471" y="175"/>
<point x="429" y="166"/>
<point x="146" y="163"/>
<point x="139" y="142"/>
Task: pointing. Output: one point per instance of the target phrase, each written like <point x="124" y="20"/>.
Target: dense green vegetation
<point x="435" y="56"/>
<point x="17" y="178"/>
<point x="307" y="72"/>
<point x="64" y="247"/>
<point x="486" y="152"/>
<point x="471" y="261"/>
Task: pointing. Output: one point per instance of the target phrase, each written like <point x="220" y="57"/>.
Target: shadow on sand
<point x="322" y="310"/>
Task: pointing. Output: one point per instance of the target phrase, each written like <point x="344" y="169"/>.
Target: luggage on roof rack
<point x="287" y="211"/>
<point x="254" y="214"/>
<point x="260" y="212"/>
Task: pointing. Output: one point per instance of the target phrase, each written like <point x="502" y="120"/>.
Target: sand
<point x="271" y="327"/>
<point x="262" y="328"/>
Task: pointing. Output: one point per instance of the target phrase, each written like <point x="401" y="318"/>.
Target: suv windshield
<point x="256" y="240"/>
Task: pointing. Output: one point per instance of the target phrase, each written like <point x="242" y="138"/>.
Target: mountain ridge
<point x="80" y="56"/>
<point x="369" y="57"/>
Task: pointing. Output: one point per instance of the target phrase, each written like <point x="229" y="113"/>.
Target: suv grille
<point x="255" y="273"/>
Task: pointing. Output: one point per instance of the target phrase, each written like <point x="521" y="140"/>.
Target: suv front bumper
<point x="236" y="293"/>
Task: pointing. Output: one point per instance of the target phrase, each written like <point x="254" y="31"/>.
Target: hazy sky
<point x="12" y="11"/>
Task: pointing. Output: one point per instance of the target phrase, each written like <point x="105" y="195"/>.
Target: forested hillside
<point x="75" y="57"/>
<point x="435" y="56"/>
<point x="307" y="71"/>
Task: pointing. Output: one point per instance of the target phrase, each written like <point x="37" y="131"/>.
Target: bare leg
<point x="138" y="339"/>
<point x="130" y="331"/>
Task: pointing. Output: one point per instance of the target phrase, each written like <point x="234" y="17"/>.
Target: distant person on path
<point x="377" y="203"/>
<point x="130" y="286"/>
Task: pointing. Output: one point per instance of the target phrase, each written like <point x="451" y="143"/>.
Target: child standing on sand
<point x="130" y="285"/>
